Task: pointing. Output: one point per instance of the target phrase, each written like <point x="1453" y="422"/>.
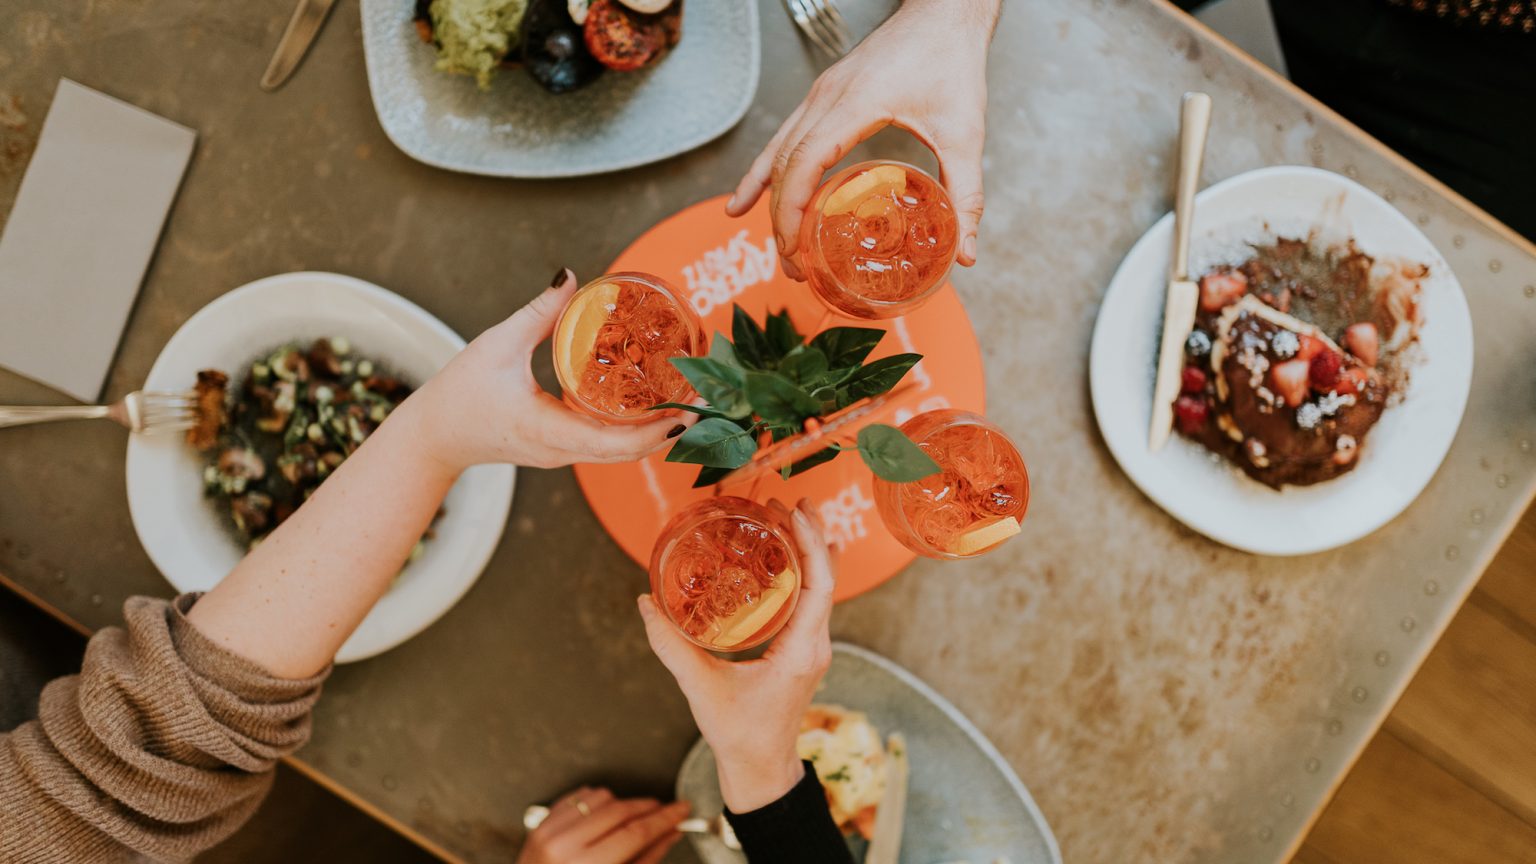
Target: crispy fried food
<point x="211" y="414"/>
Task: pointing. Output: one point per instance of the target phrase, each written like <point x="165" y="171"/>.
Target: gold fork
<point x="139" y="411"/>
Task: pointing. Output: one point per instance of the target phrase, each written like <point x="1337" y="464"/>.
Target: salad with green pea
<point x="295" y="417"/>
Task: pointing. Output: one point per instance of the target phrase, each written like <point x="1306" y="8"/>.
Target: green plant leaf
<point x="750" y="340"/>
<point x="722" y="351"/>
<point x="782" y="335"/>
<point x="701" y="410"/>
<point x="847" y="346"/>
<point x="710" y="476"/>
<point x="820" y="457"/>
<point x="892" y="455"/>
<point x="805" y="365"/>
<point x="778" y="401"/>
<point x="714" y="442"/>
<point x="718" y="383"/>
<point x="877" y="377"/>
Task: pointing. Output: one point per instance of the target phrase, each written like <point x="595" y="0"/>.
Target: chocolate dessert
<point x="1295" y="354"/>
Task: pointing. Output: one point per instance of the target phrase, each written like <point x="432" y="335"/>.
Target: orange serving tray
<point x="715" y="261"/>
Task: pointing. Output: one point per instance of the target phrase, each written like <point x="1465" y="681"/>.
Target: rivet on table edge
<point x="1495" y="265"/>
<point x="1383" y="658"/>
<point x="1359" y="694"/>
<point x="1501" y="481"/>
<point x="1431" y="588"/>
<point x="1312" y="764"/>
<point x="1408" y="624"/>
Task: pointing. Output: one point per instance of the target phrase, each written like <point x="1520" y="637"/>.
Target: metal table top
<point x="1164" y="698"/>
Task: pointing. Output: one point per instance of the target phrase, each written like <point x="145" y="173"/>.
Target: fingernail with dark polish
<point x="559" y="277"/>
<point x="677" y="430"/>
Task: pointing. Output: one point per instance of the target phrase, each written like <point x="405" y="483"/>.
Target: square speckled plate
<point x="964" y="802"/>
<point x="517" y="129"/>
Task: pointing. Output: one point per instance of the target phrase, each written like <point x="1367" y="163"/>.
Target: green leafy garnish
<point x="769" y="378"/>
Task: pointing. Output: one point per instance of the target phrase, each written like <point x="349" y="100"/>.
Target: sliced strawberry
<point x="1289" y="379"/>
<point x="1324" y="371"/>
<point x="1191" y="413"/>
<point x="1352" y="381"/>
<point x="1363" y="341"/>
<point x="1219" y="290"/>
<point x="1308" y="346"/>
<point x="1192" y="381"/>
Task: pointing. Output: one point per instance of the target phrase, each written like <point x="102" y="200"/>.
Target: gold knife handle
<point x="1194" y="122"/>
<point x="301" y="30"/>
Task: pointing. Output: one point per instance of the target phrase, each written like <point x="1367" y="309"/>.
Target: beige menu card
<point x="81" y="234"/>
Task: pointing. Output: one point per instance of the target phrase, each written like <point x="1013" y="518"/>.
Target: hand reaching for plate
<point x="924" y="70"/>
<point x="750" y="711"/>
<point x="485" y="405"/>
<point x="590" y="826"/>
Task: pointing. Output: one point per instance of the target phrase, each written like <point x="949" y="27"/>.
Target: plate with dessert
<point x="558" y="88"/>
<point x="875" y="722"/>
<point x="1324" y="378"/>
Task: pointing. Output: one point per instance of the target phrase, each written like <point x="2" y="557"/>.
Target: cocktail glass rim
<point x="961" y="417"/>
<point x="888" y="308"/>
<point x="769" y="519"/>
<point x="696" y="330"/>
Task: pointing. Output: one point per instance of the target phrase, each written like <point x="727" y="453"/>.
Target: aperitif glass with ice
<point x="878" y="239"/>
<point x="976" y="501"/>
<point x="726" y="572"/>
<point x="613" y="344"/>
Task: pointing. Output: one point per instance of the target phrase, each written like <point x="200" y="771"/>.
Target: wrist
<point x="978" y="16"/>
<point x="418" y="428"/>
<point x="746" y="787"/>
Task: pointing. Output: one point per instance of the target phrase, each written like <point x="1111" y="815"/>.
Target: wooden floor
<point x="1451" y="777"/>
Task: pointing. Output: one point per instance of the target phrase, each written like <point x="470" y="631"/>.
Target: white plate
<point x="518" y="129"/>
<point x="964" y="803"/>
<point x="1214" y="497"/>
<point x="184" y="533"/>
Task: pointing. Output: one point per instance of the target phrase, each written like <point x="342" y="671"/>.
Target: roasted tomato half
<point x="622" y="39"/>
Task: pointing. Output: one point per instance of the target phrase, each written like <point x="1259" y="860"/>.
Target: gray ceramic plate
<point x="516" y="129"/>
<point x="964" y="802"/>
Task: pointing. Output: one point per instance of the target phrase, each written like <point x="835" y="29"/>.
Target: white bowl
<point x="186" y="536"/>
<point x="1208" y="494"/>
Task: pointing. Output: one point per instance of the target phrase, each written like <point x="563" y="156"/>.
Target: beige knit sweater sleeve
<point x="161" y="747"/>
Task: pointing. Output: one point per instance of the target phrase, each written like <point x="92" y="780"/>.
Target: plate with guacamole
<point x="558" y="88"/>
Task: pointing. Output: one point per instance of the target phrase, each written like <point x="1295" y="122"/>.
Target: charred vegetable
<point x="296" y="415"/>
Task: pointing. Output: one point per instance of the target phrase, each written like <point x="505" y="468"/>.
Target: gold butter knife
<point x="302" y="27"/>
<point x="1183" y="294"/>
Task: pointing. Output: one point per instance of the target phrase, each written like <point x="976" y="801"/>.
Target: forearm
<point x="796" y="828"/>
<point x="292" y="602"/>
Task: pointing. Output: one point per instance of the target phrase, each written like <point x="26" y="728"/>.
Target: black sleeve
<point x="796" y="829"/>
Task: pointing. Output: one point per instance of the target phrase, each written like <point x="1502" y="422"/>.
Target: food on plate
<point x="473" y="37"/>
<point x="296" y="415"/>
<point x="850" y="763"/>
<point x="554" y="50"/>
<point x="565" y="44"/>
<point x="1295" y="355"/>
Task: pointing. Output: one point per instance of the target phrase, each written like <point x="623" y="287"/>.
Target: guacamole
<point x="474" y="35"/>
